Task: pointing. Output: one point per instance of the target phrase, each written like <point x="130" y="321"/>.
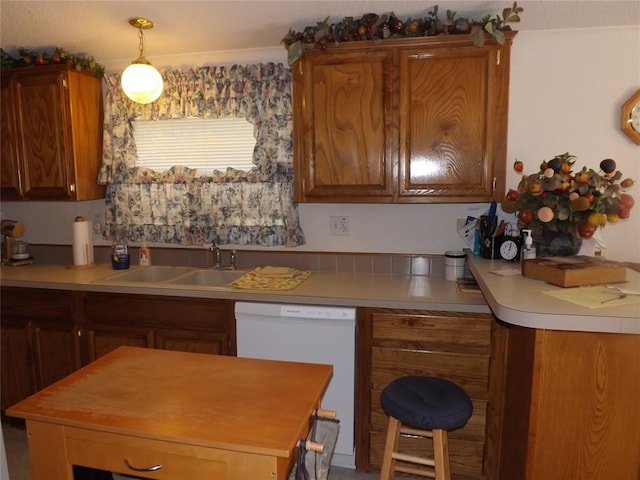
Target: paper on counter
<point x="507" y="271"/>
<point x="592" y="297"/>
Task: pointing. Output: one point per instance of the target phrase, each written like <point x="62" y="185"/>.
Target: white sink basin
<point x="153" y="274"/>
<point x="178" y="276"/>
<point x="208" y="278"/>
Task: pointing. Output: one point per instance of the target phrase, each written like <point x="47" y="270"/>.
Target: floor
<point x="15" y="443"/>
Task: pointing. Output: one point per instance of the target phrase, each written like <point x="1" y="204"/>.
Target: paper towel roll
<point x="82" y="242"/>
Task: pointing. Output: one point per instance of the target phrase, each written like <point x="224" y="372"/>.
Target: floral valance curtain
<point x="230" y="207"/>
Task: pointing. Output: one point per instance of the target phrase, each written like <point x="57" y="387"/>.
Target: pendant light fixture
<point x="140" y="81"/>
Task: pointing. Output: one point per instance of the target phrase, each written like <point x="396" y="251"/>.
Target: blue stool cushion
<point x="427" y="403"/>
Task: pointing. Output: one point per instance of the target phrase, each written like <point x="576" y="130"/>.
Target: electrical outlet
<point x="339" y="226"/>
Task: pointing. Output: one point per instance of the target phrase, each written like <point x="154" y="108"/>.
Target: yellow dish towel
<point x="271" y="278"/>
<point x="275" y="272"/>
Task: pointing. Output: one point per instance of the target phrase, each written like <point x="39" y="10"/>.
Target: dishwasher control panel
<point x="311" y="311"/>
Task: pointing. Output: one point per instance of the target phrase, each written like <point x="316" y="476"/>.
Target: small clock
<point x="510" y="249"/>
<point x="631" y="117"/>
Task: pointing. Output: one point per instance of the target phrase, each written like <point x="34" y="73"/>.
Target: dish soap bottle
<point x="145" y="254"/>
<point x="119" y="251"/>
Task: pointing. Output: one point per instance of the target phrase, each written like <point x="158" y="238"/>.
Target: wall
<point x="567" y="87"/>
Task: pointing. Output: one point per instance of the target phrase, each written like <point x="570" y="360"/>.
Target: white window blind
<point x="199" y="143"/>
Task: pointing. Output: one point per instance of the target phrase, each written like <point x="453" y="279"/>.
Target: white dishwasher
<point x="310" y="334"/>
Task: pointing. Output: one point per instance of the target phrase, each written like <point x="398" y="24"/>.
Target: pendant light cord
<point x="141" y="45"/>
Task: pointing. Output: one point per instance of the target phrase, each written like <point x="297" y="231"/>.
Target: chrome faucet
<point x="217" y="258"/>
<point x="216" y="255"/>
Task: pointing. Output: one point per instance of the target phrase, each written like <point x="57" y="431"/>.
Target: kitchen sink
<point x="207" y="278"/>
<point x="153" y="274"/>
<point x="178" y="276"/>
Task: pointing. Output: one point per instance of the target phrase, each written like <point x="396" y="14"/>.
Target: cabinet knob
<point x="72" y="187"/>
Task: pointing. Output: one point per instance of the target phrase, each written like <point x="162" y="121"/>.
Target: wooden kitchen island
<point x="173" y="415"/>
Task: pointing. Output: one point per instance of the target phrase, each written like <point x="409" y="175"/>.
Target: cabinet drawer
<point x="436" y="331"/>
<point x="177" y="461"/>
<point x="30" y="303"/>
<point x="471" y="372"/>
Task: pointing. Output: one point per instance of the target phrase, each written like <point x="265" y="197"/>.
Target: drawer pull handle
<point x="153" y="468"/>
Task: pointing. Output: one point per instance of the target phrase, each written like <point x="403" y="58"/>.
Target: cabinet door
<point x="56" y="350"/>
<point x="343" y="120"/>
<point x="39" y="340"/>
<point x="9" y="166"/>
<point x="448" y="124"/>
<point x="16" y="362"/>
<point x="43" y="136"/>
<point x="102" y="338"/>
<point x="193" y="341"/>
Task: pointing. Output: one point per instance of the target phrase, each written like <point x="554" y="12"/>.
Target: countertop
<point x="513" y="299"/>
<point x="339" y="289"/>
<point x="520" y="301"/>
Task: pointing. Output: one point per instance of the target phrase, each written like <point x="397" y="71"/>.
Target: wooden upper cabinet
<point x="420" y="120"/>
<point x="9" y="166"/>
<point x="53" y="118"/>
<point x="343" y="121"/>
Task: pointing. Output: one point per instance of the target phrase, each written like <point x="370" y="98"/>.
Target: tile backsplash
<point x="398" y="264"/>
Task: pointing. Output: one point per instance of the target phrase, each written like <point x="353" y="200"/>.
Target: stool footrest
<point x="404" y="457"/>
<point x="415" y="471"/>
<point x="416" y="432"/>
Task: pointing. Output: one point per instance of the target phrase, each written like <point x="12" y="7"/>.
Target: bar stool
<point x="422" y="407"/>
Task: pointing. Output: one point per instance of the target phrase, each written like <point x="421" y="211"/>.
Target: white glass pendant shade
<point x="142" y="83"/>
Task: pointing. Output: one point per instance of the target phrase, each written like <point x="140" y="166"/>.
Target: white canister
<point x="454" y="261"/>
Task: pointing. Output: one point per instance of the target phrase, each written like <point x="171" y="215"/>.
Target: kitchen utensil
<point x="623" y="290"/>
<point x="619" y="297"/>
<point x="621" y="293"/>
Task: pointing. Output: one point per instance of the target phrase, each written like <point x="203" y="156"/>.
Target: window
<point x="203" y="144"/>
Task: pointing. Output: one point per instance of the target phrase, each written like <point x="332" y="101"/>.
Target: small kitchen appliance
<point x="13" y="252"/>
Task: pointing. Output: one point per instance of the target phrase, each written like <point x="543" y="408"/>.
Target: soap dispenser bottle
<point x="528" y="249"/>
<point x="145" y="254"/>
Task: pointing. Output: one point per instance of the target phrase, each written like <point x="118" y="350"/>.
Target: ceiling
<point x="99" y="27"/>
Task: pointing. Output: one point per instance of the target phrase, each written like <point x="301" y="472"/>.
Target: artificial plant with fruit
<point x="556" y="200"/>
<point x="381" y="27"/>
<point x="55" y="56"/>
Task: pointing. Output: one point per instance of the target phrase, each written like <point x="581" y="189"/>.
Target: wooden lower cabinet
<point x="173" y="323"/>
<point x="39" y="340"/>
<point x="47" y="334"/>
<point x="571" y="408"/>
<point x="395" y="343"/>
